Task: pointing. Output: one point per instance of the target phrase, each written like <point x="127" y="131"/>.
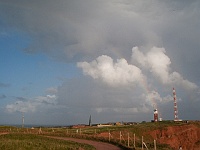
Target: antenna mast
<point x="175" y="106"/>
<point x="22" y="120"/>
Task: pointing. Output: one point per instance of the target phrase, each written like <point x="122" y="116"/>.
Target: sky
<point x="118" y="60"/>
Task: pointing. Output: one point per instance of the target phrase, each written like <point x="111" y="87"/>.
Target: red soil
<point x="187" y="136"/>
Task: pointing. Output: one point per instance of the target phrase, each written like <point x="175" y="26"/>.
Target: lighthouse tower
<point x="155" y="115"/>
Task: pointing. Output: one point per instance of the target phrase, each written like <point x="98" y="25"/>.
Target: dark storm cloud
<point x="61" y="25"/>
<point x="78" y="29"/>
<point x="69" y="30"/>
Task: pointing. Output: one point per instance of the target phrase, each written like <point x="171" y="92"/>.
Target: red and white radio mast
<point x="175" y="106"/>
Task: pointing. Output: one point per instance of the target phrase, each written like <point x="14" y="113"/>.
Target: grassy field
<point x="18" y="141"/>
<point x="93" y="133"/>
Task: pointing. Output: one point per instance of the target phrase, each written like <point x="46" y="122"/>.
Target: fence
<point x="124" y="138"/>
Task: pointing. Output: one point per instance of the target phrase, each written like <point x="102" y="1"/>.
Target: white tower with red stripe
<point x="155" y="114"/>
<point x="175" y="106"/>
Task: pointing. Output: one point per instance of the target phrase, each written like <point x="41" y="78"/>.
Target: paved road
<point x="97" y="145"/>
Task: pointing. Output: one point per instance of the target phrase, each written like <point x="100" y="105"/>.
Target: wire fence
<point x="122" y="138"/>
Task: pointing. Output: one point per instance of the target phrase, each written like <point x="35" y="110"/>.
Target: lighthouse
<point x="155" y="115"/>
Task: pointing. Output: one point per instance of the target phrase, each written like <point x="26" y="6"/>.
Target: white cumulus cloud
<point x="107" y="70"/>
<point x="159" y="63"/>
<point x="32" y="105"/>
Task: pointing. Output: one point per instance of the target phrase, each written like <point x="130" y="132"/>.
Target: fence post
<point x="40" y="131"/>
<point x="142" y="143"/>
<point x="128" y="139"/>
<point x="120" y="136"/>
<point x="134" y="140"/>
<point x="109" y="136"/>
<point x="154" y="144"/>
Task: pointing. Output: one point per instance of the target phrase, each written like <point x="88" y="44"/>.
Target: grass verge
<point x="35" y="142"/>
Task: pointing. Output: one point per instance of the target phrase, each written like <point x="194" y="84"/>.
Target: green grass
<point x="139" y="130"/>
<point x="36" y="142"/>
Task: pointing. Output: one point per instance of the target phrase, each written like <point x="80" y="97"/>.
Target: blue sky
<point x="24" y="70"/>
<point x="28" y="75"/>
<point x="114" y="60"/>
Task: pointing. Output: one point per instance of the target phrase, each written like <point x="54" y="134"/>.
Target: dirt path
<point x="97" y="145"/>
<point x="3" y="133"/>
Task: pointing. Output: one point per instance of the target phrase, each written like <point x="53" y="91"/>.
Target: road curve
<point x="97" y="145"/>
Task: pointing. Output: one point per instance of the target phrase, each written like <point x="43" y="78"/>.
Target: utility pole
<point x="22" y="119"/>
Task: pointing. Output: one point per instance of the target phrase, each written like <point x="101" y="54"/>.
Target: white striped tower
<point x="155" y="115"/>
<point x="175" y="106"/>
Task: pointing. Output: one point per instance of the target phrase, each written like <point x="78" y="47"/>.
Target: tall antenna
<point x="22" y="120"/>
<point x="175" y="106"/>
